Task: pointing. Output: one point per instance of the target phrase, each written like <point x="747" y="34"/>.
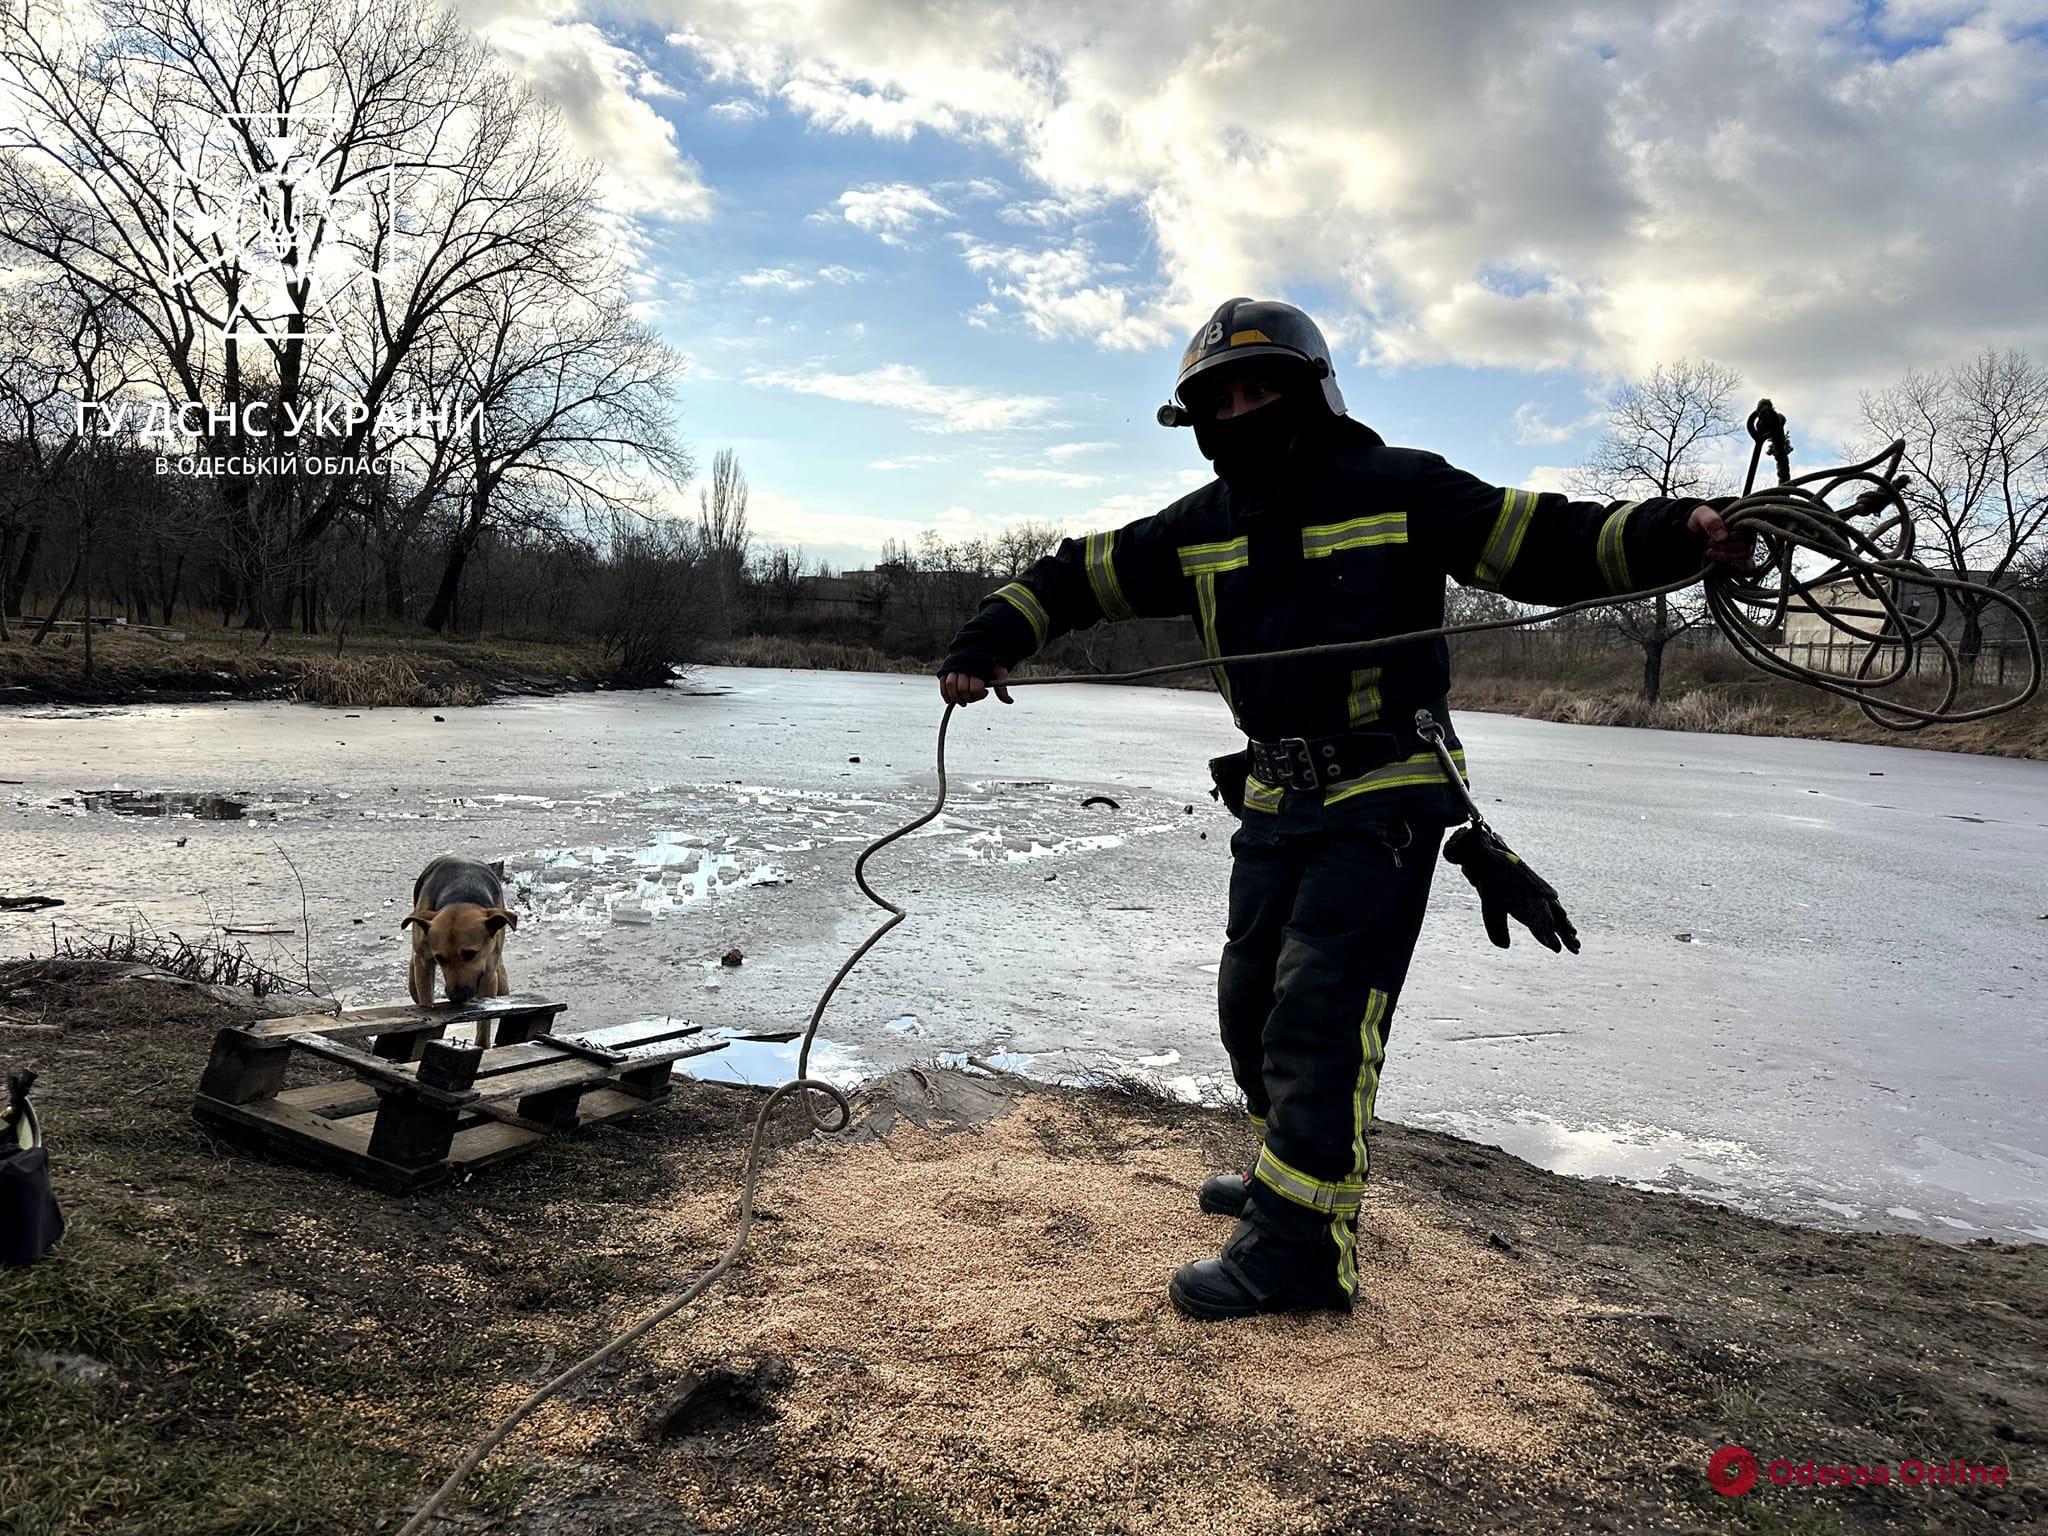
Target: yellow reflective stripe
<point x="1612" y="552"/>
<point x="1372" y="1052"/>
<point x="1346" y="1236"/>
<point x="1020" y="597"/>
<point x="1408" y="773"/>
<point x="1364" y="704"/>
<point x="1260" y="796"/>
<point x="1244" y="338"/>
<point x="1334" y="1197"/>
<point x="1505" y="541"/>
<point x="1224" y="555"/>
<point x="1328" y="538"/>
<point x="1205" y="601"/>
<point x="1258" y="1124"/>
<point x="1109" y="596"/>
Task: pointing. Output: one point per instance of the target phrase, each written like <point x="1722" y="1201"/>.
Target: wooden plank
<point x="492" y="1141"/>
<point x="546" y="1077"/>
<point x="540" y="1051"/>
<point x="243" y="1067"/>
<point x="620" y="1037"/>
<point x="571" y="1072"/>
<point x="335" y="1100"/>
<point x="394" y="1074"/>
<point x="410" y="1130"/>
<point x="404" y="1016"/>
<point x="341" y="1145"/>
<point x="604" y="1104"/>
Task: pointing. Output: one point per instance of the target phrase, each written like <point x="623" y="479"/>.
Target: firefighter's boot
<point x="1225" y="1194"/>
<point x="1264" y="1268"/>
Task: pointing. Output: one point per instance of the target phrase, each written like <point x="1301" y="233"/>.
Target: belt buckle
<point x="1301" y="763"/>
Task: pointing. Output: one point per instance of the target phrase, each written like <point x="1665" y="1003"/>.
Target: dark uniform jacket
<point x="1359" y="547"/>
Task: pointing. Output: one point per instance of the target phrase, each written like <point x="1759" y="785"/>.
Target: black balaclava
<point x="1255" y="454"/>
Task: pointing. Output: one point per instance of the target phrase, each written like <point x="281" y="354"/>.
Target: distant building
<point x="1804" y="627"/>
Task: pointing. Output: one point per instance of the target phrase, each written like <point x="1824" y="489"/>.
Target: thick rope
<point x="1789" y="519"/>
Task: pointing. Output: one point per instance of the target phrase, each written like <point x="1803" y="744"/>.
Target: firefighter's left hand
<point x="1509" y="888"/>
<point x="1721" y="546"/>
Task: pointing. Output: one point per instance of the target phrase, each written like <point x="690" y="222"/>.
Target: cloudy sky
<point x="933" y="262"/>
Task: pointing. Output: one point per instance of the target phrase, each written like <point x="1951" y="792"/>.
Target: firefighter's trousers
<point x="1322" y="925"/>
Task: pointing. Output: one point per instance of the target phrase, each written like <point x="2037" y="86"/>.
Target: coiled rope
<point x="1789" y="519"/>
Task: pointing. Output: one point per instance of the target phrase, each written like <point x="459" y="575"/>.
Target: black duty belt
<point x="1315" y="762"/>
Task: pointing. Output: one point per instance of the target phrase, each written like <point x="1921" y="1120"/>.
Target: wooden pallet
<point x="415" y="1109"/>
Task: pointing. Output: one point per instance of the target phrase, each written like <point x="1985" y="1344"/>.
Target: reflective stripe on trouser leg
<point x="1372" y="1052"/>
<point x="1343" y="957"/>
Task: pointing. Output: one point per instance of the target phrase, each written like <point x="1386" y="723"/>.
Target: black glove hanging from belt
<point x="1507" y="887"/>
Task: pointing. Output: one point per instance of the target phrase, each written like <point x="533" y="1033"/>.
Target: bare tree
<point x="1659" y="435"/>
<point x="149" y="143"/>
<point x="1017" y="549"/>
<point x="576" y="416"/>
<point x="1977" y="449"/>
<point x="722" y="537"/>
<point x="780" y="574"/>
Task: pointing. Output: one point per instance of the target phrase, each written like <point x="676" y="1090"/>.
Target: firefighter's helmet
<point x="1242" y="330"/>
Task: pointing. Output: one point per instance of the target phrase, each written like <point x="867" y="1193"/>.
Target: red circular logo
<point x="1732" y="1470"/>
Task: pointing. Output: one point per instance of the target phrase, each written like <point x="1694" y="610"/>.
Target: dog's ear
<point x="497" y="867"/>
<point x="497" y="917"/>
<point x="422" y="918"/>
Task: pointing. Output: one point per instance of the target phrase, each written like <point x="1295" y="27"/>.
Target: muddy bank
<point x="951" y="1321"/>
<point x="141" y="667"/>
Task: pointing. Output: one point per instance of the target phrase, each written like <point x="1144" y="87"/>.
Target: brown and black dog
<point x="458" y="922"/>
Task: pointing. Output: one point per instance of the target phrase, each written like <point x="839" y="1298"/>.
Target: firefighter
<point x="1314" y="530"/>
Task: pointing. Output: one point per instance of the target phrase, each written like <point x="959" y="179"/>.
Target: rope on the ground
<point x="1789" y="518"/>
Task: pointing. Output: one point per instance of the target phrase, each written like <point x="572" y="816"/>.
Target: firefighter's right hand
<point x="965" y="688"/>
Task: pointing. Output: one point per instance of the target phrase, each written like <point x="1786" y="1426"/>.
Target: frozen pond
<point x="1812" y="983"/>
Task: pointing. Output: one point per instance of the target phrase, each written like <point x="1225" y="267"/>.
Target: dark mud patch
<point x="716" y="1400"/>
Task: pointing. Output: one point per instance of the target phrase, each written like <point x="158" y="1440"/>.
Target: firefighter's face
<point x="1239" y="396"/>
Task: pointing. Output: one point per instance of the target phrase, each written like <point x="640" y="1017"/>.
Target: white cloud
<point x="1531" y="426"/>
<point x="900" y="387"/>
<point x="1052" y="212"/>
<point x="1058" y="291"/>
<point x="1786" y="186"/>
<point x="789" y="280"/>
<point x="603" y="92"/>
<point x="1547" y="477"/>
<point x="908" y="461"/>
<point x="850" y="539"/>
<point x="738" y="109"/>
<point x="891" y="211"/>
<point x="1005" y="474"/>
<point x="1059" y="453"/>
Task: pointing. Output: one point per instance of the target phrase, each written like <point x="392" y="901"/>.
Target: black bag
<point x="1229" y="773"/>
<point x="30" y="1222"/>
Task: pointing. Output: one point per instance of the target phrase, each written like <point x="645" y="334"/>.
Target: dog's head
<point x="464" y="940"/>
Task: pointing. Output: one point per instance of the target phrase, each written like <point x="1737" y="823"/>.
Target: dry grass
<point x="214" y="961"/>
<point x="788" y="651"/>
<point x="374" y="667"/>
<point x="1766" y="708"/>
<point x="371" y="681"/>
